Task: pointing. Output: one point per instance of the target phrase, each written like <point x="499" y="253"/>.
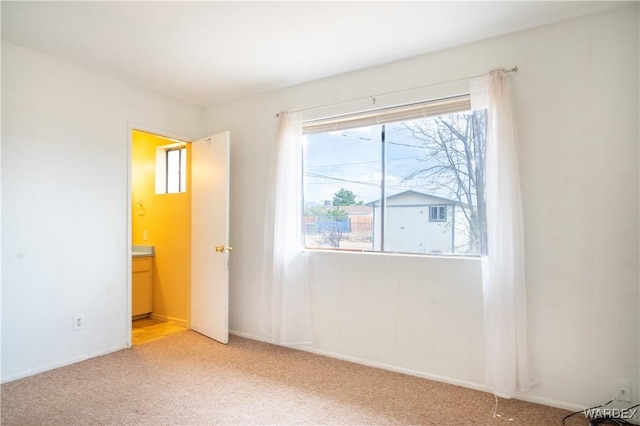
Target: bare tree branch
<point x="454" y="161"/>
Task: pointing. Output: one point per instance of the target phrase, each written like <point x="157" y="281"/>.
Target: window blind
<point x="389" y="115"/>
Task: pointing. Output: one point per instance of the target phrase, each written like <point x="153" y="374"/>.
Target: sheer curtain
<point x="285" y="311"/>
<point x="503" y="277"/>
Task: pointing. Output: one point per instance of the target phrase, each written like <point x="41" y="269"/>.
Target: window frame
<point x="162" y="168"/>
<point x="458" y="104"/>
<point x="438" y="218"/>
<point x="182" y="154"/>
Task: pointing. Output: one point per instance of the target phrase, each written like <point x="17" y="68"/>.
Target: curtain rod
<point x="373" y="97"/>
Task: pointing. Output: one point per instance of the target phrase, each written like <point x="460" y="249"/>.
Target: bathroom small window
<point x="171" y="169"/>
<point x="176" y="165"/>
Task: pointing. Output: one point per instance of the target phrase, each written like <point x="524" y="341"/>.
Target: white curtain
<point x="285" y="312"/>
<point x="503" y="275"/>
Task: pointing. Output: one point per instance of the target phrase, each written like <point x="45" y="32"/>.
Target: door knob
<point x="222" y="248"/>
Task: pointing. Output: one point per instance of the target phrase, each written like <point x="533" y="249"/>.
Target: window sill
<point x="393" y="254"/>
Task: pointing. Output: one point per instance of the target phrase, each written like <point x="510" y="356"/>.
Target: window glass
<point x="171" y="169"/>
<point x="409" y="186"/>
<point x="342" y="169"/>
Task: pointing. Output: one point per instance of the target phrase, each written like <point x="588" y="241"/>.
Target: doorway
<point x="147" y="330"/>
<point x="160" y="232"/>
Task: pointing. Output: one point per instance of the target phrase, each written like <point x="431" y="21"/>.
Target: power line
<point x="386" y="142"/>
<point x="315" y="175"/>
<point x="358" y="162"/>
<point x="374" y="184"/>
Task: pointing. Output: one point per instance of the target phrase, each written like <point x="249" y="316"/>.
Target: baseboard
<point x="396" y="369"/>
<point x="436" y="378"/>
<point x="250" y="336"/>
<point x="59" y="365"/>
<point x="177" y="321"/>
<point x="550" y="402"/>
<point x="383" y="366"/>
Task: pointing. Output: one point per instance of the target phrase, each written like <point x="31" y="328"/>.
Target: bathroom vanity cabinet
<point x="141" y="285"/>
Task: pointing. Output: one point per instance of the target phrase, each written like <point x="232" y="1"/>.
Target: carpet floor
<point x="188" y="379"/>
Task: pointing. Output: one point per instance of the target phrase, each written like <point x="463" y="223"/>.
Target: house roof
<point x="361" y="209"/>
<point x="413" y="192"/>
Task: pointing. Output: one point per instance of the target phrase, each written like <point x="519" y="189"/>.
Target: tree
<point x="331" y="223"/>
<point x="335" y="214"/>
<point x="345" y="197"/>
<point x="454" y="162"/>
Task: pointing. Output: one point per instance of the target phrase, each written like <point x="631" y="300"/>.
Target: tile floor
<point x="147" y="330"/>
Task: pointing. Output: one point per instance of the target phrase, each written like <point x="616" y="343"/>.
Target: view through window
<point x="414" y="185"/>
<point x="171" y="169"/>
<point x="176" y="163"/>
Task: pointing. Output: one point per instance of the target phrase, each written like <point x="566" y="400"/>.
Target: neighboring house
<point x="416" y="222"/>
<point x="360" y="221"/>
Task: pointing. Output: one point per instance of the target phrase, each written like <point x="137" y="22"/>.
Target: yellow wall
<point x="168" y="224"/>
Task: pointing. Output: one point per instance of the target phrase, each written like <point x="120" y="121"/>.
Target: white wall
<point x="576" y="97"/>
<point x="64" y="206"/>
<point x="64" y="186"/>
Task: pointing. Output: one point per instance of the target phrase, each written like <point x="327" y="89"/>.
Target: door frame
<point x="131" y="126"/>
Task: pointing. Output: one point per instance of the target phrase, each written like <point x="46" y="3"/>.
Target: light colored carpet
<point x="188" y="379"/>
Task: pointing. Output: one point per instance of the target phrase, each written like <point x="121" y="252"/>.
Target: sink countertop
<point x="142" y="251"/>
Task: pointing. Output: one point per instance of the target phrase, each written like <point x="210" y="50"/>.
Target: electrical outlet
<point x="625" y="388"/>
<point x="145" y="235"/>
<point x="78" y="322"/>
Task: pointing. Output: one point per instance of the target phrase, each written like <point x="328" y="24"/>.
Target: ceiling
<point x="207" y="52"/>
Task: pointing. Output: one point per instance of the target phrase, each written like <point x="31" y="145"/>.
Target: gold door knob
<point x="222" y="248"/>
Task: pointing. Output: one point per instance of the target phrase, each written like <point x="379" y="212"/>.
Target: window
<point x="403" y="180"/>
<point x="171" y="169"/>
<point x="438" y="214"/>
<point x="176" y="166"/>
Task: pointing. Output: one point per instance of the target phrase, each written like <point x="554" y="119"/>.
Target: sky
<point x="351" y="159"/>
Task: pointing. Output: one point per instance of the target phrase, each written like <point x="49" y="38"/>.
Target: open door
<point x="210" y="236"/>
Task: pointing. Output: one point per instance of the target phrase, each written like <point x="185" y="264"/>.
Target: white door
<point x="210" y="236"/>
